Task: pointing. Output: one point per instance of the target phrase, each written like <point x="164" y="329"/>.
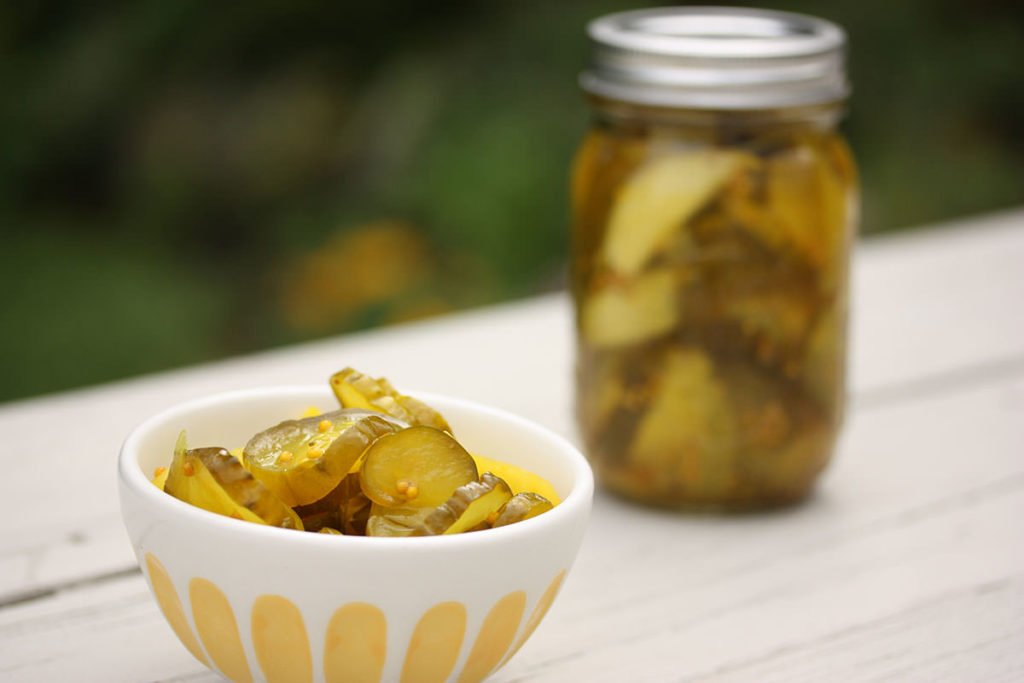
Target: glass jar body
<point x="709" y="273"/>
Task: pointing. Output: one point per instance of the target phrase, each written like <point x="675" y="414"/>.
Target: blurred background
<point x="184" y="181"/>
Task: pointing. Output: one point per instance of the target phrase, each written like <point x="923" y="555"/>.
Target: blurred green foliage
<point x="174" y="176"/>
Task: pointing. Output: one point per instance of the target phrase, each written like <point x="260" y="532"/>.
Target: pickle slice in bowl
<point x="325" y="512"/>
<point x="303" y="460"/>
<point x="415" y="467"/>
<point x="213" y="479"/>
<point x="397" y="522"/>
<point x="470" y="506"/>
<point x="525" y="505"/>
<point x="160" y="477"/>
<point x="353" y="389"/>
<point x="354" y="506"/>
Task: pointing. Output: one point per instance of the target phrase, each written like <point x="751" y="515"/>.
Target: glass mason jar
<point x="714" y="206"/>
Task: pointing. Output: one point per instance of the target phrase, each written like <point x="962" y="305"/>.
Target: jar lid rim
<point x="716" y="56"/>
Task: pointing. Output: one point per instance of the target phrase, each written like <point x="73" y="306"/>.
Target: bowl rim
<point x="131" y="475"/>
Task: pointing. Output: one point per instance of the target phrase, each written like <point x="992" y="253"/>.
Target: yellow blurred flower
<point x="385" y="262"/>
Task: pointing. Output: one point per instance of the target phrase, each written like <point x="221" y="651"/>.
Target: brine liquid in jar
<point x="714" y="204"/>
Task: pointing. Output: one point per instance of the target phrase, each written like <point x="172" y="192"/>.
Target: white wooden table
<point x="907" y="565"/>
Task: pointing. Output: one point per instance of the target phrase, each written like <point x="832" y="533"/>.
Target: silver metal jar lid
<point x="716" y="58"/>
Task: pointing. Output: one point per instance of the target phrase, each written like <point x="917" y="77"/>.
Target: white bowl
<point x="260" y="603"/>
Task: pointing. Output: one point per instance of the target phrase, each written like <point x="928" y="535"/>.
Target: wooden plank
<point x="971" y="634"/>
<point x="929" y="638"/>
<point x="909" y="561"/>
<point x="939" y="303"/>
<point x="66" y="503"/>
<point x="691" y="626"/>
<point x="930" y="460"/>
<point x="516" y="356"/>
<point x="110" y="631"/>
<point x="924" y="505"/>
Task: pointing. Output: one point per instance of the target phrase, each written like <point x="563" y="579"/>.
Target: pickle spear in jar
<point x="213" y="479"/>
<point x="688" y="433"/>
<point x="632" y="312"/>
<point x="415" y="467"/>
<point x="303" y="460"/>
<point x="658" y="200"/>
<point x="805" y="204"/>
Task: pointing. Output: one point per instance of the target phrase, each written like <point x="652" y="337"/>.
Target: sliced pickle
<point x="719" y="380"/>
<point x="323" y="512"/>
<point x="582" y="180"/>
<point x="356" y="390"/>
<point x="400" y="521"/>
<point x="344" y="508"/>
<point x="798" y="195"/>
<point x="747" y="297"/>
<point x="354" y="471"/>
<point x="160" y="477"/>
<point x="354" y="507"/>
<point x="631" y="312"/>
<point x="787" y="472"/>
<point x="470" y="506"/>
<point x="211" y="478"/>
<point x="315" y="521"/>
<point x="597" y="175"/>
<point x="415" y="467"/>
<point x="798" y="204"/>
<point x="658" y="200"/>
<point x="422" y="414"/>
<point x="823" y="368"/>
<point x="522" y="506"/>
<point x="303" y="460"/>
<point x="601" y="389"/>
<point x="776" y="319"/>
<point x="689" y="432"/>
<point x="764" y="404"/>
<point x="518" y="479"/>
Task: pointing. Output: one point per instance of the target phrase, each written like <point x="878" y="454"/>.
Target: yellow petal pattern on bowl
<point x="280" y="640"/>
<point x="355" y="640"/>
<point x="496" y="635"/>
<point x="355" y="646"/>
<point x="539" y="610"/>
<point x="218" y="629"/>
<point x="170" y="605"/>
<point x="435" y="644"/>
